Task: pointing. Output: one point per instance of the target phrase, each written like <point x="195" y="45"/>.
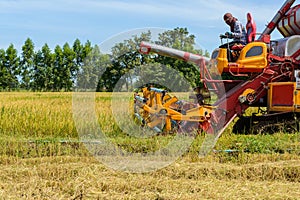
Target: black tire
<point x="242" y="126"/>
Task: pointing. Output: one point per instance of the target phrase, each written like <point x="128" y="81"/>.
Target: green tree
<point x="83" y="53"/>
<point x="11" y="64"/>
<point x="78" y="49"/>
<point x="160" y="76"/>
<point x="68" y="67"/>
<point x="125" y="57"/>
<point x="43" y="68"/>
<point x="3" y="71"/>
<point x="38" y="77"/>
<point x="58" y="69"/>
<point x="48" y="60"/>
<point x="94" y="65"/>
<point x="180" y="39"/>
<point x="27" y="62"/>
<point x="87" y="49"/>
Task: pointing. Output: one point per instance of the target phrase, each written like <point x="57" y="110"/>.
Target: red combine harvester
<point x="266" y="75"/>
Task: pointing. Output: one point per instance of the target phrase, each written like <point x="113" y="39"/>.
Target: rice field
<point x="41" y="157"/>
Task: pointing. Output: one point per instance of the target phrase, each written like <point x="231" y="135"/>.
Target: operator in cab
<point x="237" y="31"/>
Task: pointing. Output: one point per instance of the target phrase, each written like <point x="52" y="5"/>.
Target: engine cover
<point x="287" y="46"/>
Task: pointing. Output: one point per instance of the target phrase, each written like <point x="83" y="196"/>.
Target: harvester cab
<point x="257" y="54"/>
<point x="240" y="60"/>
<point x="252" y="58"/>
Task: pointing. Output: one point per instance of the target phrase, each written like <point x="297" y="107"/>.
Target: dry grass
<point x="38" y="162"/>
<point x="85" y="178"/>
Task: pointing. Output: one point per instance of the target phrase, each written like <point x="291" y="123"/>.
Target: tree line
<point x="82" y="65"/>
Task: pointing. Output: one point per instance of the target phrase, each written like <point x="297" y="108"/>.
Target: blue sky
<point x="56" y="22"/>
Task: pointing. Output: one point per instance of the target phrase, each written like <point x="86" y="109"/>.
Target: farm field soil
<point x="41" y="158"/>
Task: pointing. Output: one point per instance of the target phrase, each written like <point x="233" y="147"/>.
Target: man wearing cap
<point x="237" y="30"/>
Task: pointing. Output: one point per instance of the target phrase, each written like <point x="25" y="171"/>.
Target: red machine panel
<point x="290" y="24"/>
<point x="281" y="96"/>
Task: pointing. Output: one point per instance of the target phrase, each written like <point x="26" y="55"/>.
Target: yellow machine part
<point x="246" y="95"/>
<point x="251" y="58"/>
<point x="159" y="108"/>
<point x="283" y="97"/>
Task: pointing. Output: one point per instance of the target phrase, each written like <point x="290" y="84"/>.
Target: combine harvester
<point x="266" y="75"/>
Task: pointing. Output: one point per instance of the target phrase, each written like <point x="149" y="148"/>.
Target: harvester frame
<point x="269" y="74"/>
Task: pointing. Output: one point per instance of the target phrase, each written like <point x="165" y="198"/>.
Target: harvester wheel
<point x="271" y="127"/>
<point x="242" y="125"/>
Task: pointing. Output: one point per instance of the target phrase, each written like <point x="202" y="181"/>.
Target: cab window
<point x="254" y="51"/>
<point x="215" y="54"/>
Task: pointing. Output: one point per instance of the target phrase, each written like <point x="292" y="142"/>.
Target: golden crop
<point x="41" y="157"/>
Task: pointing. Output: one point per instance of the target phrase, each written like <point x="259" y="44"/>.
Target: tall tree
<point x="11" y="64"/>
<point x="38" y="77"/>
<point x="27" y="62"/>
<point x="48" y="60"/>
<point x="4" y="83"/>
<point x="58" y="69"/>
<point x="43" y="64"/>
<point x="78" y="50"/>
<point x="178" y="38"/>
<point x="79" y="58"/>
<point x="87" y="49"/>
<point x="68" y="67"/>
<point x="94" y="65"/>
<point x="125" y="57"/>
